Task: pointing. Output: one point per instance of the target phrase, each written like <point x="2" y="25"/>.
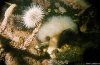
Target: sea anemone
<point x="54" y="26"/>
<point x="33" y="15"/>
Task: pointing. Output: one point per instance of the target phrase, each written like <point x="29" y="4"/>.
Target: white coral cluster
<point x="33" y="15"/>
<point x="55" y="25"/>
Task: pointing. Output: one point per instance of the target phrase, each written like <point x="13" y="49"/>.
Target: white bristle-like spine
<point x="54" y="26"/>
<point x="32" y="15"/>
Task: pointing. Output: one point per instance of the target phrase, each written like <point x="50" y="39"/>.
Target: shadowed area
<point x="18" y="53"/>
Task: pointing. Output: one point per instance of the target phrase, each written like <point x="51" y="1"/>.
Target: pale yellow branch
<point x="7" y="14"/>
<point x="31" y="37"/>
<point x="10" y="10"/>
<point x="3" y="25"/>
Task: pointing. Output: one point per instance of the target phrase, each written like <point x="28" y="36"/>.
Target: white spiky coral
<point x="56" y="25"/>
<point x="32" y="15"/>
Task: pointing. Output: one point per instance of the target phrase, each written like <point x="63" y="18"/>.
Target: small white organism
<point x="32" y="15"/>
<point x="62" y="10"/>
<point x="53" y="28"/>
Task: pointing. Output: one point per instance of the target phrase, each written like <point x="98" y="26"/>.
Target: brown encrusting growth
<point x="77" y="4"/>
<point x="11" y="50"/>
<point x="44" y="3"/>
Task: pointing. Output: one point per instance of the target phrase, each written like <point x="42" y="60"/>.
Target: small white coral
<point x="55" y="26"/>
<point x="62" y="10"/>
<point x="33" y="15"/>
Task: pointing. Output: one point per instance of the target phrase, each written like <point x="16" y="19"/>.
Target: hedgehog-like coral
<point x="32" y="15"/>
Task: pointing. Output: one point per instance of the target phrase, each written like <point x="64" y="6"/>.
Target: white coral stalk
<point x="32" y="16"/>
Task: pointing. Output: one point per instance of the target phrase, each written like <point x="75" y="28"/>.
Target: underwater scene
<point x="49" y="32"/>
